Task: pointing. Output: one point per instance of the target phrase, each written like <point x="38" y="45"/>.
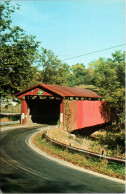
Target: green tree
<point x="89" y="75"/>
<point x="53" y="70"/>
<point x="17" y="55"/>
<point x="109" y="76"/>
<point x="81" y="76"/>
<point x="78" y="74"/>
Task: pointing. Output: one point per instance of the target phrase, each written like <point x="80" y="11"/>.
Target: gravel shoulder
<point x="18" y="127"/>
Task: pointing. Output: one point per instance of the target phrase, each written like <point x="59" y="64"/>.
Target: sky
<point x="72" y="28"/>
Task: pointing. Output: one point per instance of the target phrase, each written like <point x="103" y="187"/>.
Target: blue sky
<point x="74" y="27"/>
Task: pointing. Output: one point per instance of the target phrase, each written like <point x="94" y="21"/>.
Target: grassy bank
<point x="98" y="165"/>
<point x="7" y="118"/>
<point x="109" y="142"/>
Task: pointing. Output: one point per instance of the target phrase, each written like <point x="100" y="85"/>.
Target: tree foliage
<point x="78" y="74"/>
<point x="81" y="75"/>
<point x="18" y="52"/>
<point x="109" y="76"/>
<point x="53" y="70"/>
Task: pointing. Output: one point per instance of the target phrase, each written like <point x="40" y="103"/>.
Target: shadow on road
<point x="11" y="183"/>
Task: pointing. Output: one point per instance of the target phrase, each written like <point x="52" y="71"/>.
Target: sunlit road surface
<point x="25" y="171"/>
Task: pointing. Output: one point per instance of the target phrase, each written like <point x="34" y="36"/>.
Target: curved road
<point x="25" y="171"/>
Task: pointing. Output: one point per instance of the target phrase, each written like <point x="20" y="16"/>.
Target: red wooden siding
<point x="61" y="107"/>
<point x="24" y="108"/>
<point x="89" y="113"/>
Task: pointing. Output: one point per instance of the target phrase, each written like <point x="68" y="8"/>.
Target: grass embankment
<point x="98" y="165"/>
<point x="99" y="141"/>
<point x="8" y="119"/>
<point x="10" y="109"/>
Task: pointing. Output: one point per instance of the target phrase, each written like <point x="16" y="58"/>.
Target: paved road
<point x="25" y="171"/>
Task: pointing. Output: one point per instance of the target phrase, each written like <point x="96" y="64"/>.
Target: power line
<point x="93" y="52"/>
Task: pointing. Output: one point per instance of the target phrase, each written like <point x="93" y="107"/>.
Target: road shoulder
<point x="68" y="164"/>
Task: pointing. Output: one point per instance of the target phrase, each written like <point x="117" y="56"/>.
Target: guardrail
<point x="84" y="151"/>
<point x="10" y="122"/>
<point x="9" y="114"/>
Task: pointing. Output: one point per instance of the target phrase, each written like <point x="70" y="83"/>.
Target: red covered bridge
<point x="45" y="103"/>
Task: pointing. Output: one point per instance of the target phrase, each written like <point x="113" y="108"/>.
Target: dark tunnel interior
<point x="45" y="111"/>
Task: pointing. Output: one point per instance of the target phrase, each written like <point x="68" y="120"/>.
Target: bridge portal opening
<point x="43" y="111"/>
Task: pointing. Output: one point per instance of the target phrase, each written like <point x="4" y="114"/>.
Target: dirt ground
<point x="62" y="136"/>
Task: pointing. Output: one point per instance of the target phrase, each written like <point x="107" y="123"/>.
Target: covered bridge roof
<point x="63" y="91"/>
